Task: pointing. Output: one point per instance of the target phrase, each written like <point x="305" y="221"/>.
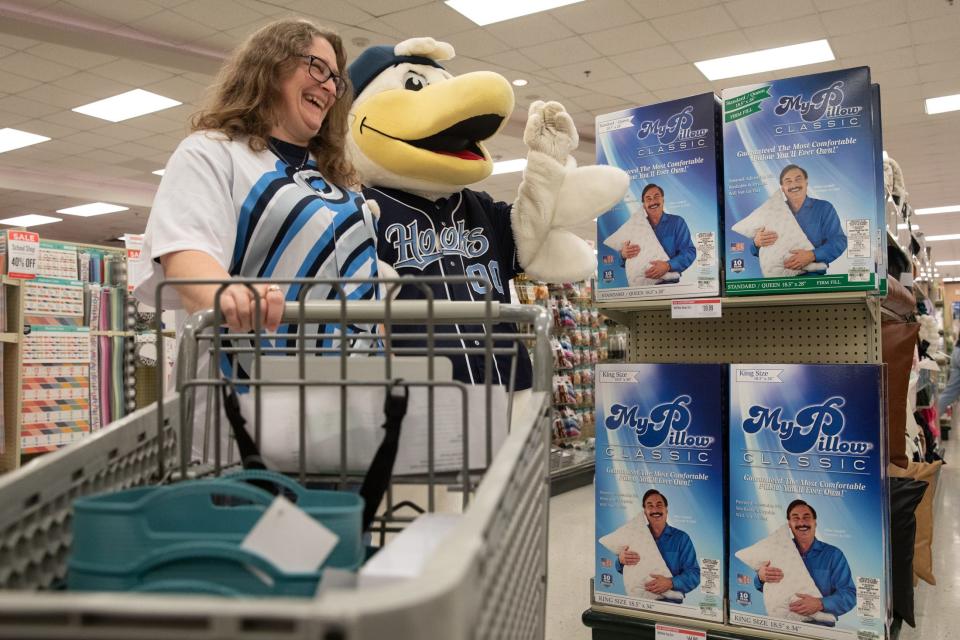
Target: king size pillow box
<point x="808" y="550"/>
<point x="660" y="488"/>
<point x="801" y="184"/>
<point x="663" y="239"/>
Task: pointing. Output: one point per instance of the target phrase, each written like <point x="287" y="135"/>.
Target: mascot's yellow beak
<point x="435" y="133"/>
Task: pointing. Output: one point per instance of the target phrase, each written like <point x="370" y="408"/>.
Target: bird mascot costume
<point x="416" y="137"/>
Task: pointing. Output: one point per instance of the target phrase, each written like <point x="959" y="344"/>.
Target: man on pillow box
<point x="672" y="232"/>
<point x="675" y="546"/>
<point x="817" y="218"/>
<point x="827" y="566"/>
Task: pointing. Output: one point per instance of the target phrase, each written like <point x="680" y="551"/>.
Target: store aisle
<point x="938" y="616"/>
<point x="571" y="564"/>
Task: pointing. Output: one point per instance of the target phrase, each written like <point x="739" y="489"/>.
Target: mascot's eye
<point x="414" y="81"/>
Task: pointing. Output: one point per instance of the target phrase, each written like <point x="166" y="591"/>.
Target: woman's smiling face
<point x="304" y="102"/>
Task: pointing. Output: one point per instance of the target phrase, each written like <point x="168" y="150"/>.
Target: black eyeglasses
<point x="321" y="72"/>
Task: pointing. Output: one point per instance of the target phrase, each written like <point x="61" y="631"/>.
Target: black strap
<point x="377" y="480"/>
<point x="378" y="476"/>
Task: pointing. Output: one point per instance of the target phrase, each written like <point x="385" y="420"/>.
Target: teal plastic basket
<point x="209" y="568"/>
<point x="115" y="534"/>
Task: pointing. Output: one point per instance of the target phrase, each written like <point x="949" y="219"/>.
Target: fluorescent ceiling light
<point x="951" y="279"/>
<point x="947" y="263"/>
<point x="11" y="139"/>
<point x="903" y="225"/>
<point x="484" y="12"/>
<point x="949" y="236"/>
<point x="509" y="166"/>
<point x="953" y="208"/>
<point x="29" y="220"/>
<point x="127" y="105"/>
<point x="158" y="172"/>
<point x="744" y="64"/>
<point x="942" y="104"/>
<point x="92" y="209"/>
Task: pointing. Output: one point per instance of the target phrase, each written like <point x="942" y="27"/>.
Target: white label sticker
<point x="670" y="632"/>
<point x="134" y="245"/>
<point x="290" y="539"/>
<point x="769" y="376"/>
<point x="710" y="580"/>
<point x="23" y="253"/>
<point x="709" y="308"/>
<point x="858" y="238"/>
<point x="868" y="597"/>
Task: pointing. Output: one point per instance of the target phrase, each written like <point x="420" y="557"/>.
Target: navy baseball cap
<point x="374" y="60"/>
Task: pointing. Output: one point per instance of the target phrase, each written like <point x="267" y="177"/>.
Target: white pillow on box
<point x="780" y="551"/>
<point x="636" y="535"/>
<point x="775" y="215"/>
<point x="637" y="230"/>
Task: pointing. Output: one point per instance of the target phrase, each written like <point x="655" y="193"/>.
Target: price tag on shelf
<point x="670" y="632"/>
<point x="135" y="269"/>
<point x="707" y="308"/>
<point x="23" y="254"/>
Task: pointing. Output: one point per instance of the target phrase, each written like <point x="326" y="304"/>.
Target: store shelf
<point x="788" y="300"/>
<point x="893" y="242"/>
<point x="10" y="338"/>
<point x="614" y="623"/>
<point x="570" y="469"/>
<point x="12" y="282"/>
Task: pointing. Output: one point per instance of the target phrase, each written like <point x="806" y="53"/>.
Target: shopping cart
<point x="487" y="582"/>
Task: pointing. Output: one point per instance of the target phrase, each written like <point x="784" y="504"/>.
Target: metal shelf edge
<point x="840" y="297"/>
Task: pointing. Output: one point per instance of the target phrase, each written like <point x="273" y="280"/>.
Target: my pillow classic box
<point x="801" y="172"/>
<point x="663" y="239"/>
<point x="659" y="488"/>
<point x="808" y="551"/>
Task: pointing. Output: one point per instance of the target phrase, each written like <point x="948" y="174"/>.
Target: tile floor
<point x="571" y="563"/>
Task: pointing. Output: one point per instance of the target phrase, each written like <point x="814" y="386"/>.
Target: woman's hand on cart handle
<point x="237" y="302"/>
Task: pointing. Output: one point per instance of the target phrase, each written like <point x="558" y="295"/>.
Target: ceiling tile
<point x="385" y="30"/>
<point x="657" y="8"/>
<point x="178" y="88"/>
<point x="694" y="24"/>
<point x="121" y="12"/>
<point x="880" y="13"/>
<point x="54" y="96"/>
<point x="871" y="40"/>
<point x="44" y="128"/>
<point x="597" y="101"/>
<point x="788" y="32"/>
<point x="24" y="107"/>
<point x="335" y="10"/>
<point x="929" y="52"/>
<point x="599" y="69"/>
<point x="104" y="157"/>
<point x="630" y="37"/>
<point x="34" y="67"/>
<point x="653" y="58"/>
<point x="12" y="83"/>
<point x="511" y="60"/>
<point x="91" y="140"/>
<point x="93" y="86"/>
<point x="142" y="153"/>
<point x="622" y="87"/>
<point x="568" y="50"/>
<point x="225" y="14"/>
<point x="937" y="71"/>
<point x="69" y="56"/>
<point x="920" y="9"/>
<point x="596" y="15"/>
<point x="174" y="27"/>
<point x="670" y="77"/>
<point x="131" y="72"/>
<point x="716" y="46"/>
<point x="935" y="29"/>
<point x="383" y="7"/>
<point x="16" y="42"/>
<point x="477" y="43"/>
<point x="438" y="20"/>
<point x="557" y="90"/>
<point x="751" y="13"/>
<point x="530" y="30"/>
<point x="882" y="60"/>
<point x="72" y="120"/>
<point x="685" y="91"/>
<point x="895" y="78"/>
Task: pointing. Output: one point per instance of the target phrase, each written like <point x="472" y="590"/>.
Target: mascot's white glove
<point x="555" y="195"/>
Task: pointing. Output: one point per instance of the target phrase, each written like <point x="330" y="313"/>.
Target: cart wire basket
<point x="488" y="578"/>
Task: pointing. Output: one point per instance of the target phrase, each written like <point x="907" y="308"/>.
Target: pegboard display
<point x="804" y="333"/>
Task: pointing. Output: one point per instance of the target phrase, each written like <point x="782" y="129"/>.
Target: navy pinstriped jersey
<point x="467" y="234"/>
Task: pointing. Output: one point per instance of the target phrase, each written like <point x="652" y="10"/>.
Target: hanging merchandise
<point x="803" y="210"/>
<point x="660" y="489"/>
<point x="808" y="500"/>
<point x="662" y="240"/>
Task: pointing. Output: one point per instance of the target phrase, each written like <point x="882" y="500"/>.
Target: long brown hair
<point x="246" y="96"/>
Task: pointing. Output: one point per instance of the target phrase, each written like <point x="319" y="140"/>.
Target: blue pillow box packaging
<point x="807" y="500"/>
<point x="802" y="160"/>
<point x="660" y="488"/>
<point x="672" y="148"/>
